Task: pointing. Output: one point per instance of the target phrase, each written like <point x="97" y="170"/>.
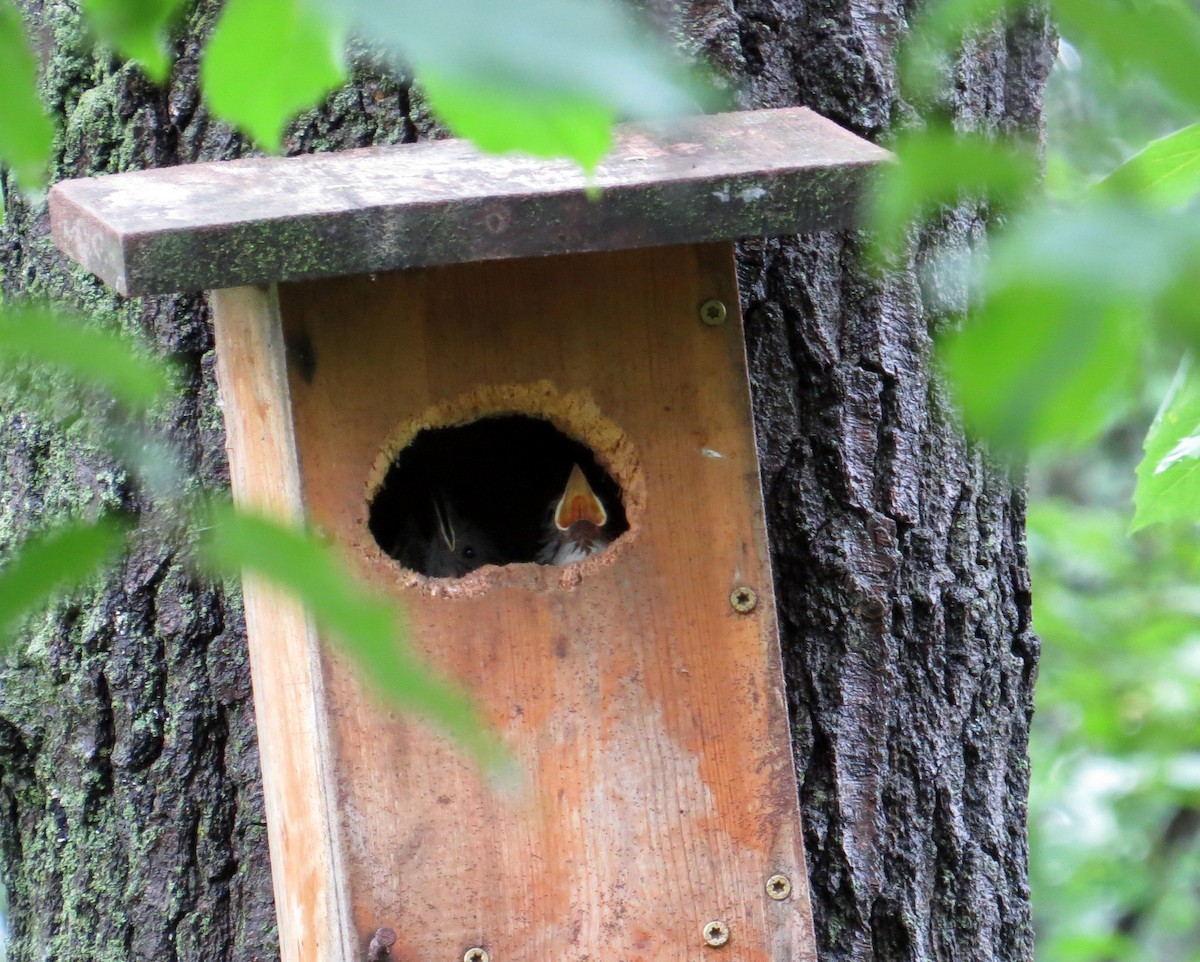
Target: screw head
<point x="713" y="312"/>
<point x="381" y="945"/>
<point x="743" y="599"/>
<point x="779" y="887"/>
<point x="716" y="933"/>
<point x="477" y="954"/>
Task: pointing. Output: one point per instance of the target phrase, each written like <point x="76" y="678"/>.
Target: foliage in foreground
<point x="1115" y="799"/>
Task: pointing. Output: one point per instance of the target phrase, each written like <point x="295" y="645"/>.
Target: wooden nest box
<point x="416" y="345"/>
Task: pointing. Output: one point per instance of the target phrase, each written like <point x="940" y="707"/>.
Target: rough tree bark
<point x="132" y="823"/>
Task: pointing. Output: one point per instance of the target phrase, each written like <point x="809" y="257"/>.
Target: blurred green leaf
<point x="1041" y="364"/>
<point x="101" y="358"/>
<point x="499" y="121"/>
<point x="936" y="35"/>
<point x="1154" y="38"/>
<point x="1168" y="486"/>
<point x="1166" y="171"/>
<point x="1086" y="292"/>
<point x="52" y="563"/>
<point x="1088" y="946"/>
<point x="137" y="29"/>
<point x="1099" y="118"/>
<point x="1118" y="699"/>
<point x="1054" y="348"/>
<point x="25" y="129"/>
<point x="534" y="75"/>
<point x="939" y="167"/>
<point x="367" y="625"/>
<point x="269" y="59"/>
<point x="546" y="77"/>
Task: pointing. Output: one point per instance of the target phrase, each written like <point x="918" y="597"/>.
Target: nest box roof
<point x="267" y="219"/>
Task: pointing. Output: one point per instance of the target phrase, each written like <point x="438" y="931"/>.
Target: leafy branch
<point x="69" y="557"/>
<point x="1072" y="294"/>
<point x="545" y="77"/>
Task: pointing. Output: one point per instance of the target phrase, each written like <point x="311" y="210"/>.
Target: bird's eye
<point x="468" y="552"/>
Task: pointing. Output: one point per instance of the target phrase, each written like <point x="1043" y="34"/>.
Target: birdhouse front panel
<point x="456" y="427"/>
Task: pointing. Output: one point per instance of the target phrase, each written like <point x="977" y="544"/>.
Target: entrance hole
<point x="495" y="481"/>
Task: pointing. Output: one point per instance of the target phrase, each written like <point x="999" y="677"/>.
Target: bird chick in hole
<point x="457" y="546"/>
<point x="577" y="525"/>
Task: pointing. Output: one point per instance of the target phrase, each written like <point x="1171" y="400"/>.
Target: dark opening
<point x="495" y="482"/>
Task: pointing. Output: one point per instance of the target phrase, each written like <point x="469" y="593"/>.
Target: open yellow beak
<point x="579" y="503"/>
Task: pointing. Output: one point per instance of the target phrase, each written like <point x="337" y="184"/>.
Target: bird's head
<point x="579" y="503"/>
<point x="577" y="528"/>
<point x="457" y="546"/>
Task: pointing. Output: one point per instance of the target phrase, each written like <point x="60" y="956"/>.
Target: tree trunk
<point x="132" y="824"/>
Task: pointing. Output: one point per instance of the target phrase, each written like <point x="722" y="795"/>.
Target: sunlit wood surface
<point x="647" y="714"/>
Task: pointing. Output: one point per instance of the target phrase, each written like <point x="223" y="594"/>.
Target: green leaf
<point x="938" y="167"/>
<point x="268" y="60"/>
<point x="937" y="34"/>
<point x="1053" y="348"/>
<point x="137" y="29"/>
<point x="1166" y="171"/>
<point x="1154" y="38"/>
<point x="52" y="563"/>
<point x="25" y="129"/>
<point x="539" y="76"/>
<point x="100" y="358"/>
<point x="1168" y="478"/>
<point x="500" y="121"/>
<point x="367" y="625"/>
<point x="1038" y="365"/>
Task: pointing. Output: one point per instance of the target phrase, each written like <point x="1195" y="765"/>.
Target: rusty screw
<point x="743" y="599"/>
<point x="477" y="954"/>
<point x="779" y="887"/>
<point x="381" y="945"/>
<point x="716" y="933"/>
<point x="713" y="312"/>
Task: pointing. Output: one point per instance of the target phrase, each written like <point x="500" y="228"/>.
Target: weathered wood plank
<point x="647" y="714"/>
<point x="201" y="226"/>
<point x="302" y="826"/>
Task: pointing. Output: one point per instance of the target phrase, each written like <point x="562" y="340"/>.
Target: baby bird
<point x="576" y="527"/>
<point x="457" y="546"/>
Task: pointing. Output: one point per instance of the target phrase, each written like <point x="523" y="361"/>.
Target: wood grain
<point x="261" y="220"/>
<point x="648" y="716"/>
<point x="302" y="826"/>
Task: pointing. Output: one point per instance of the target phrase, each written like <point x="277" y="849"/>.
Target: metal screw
<point x="477" y="954"/>
<point x="713" y="312"/>
<point x="743" y="599"/>
<point x="779" y="887"/>
<point x="716" y="933"/>
<point x="381" y="945"/>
